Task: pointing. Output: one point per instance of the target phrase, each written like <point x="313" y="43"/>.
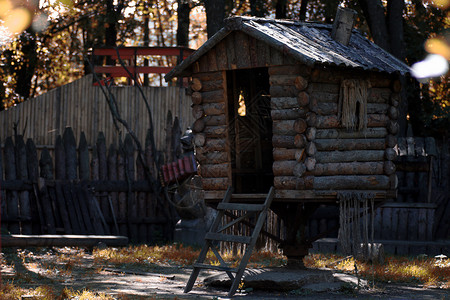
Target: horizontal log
<point x="349" y="156"/>
<point x="336" y="74"/>
<point x="215" y="183"/>
<point x="213" y="170"/>
<point x="302" y="70"/>
<point x="23" y="241"/>
<point x="211" y="157"/>
<point x="283" y="127"/>
<point x="300" y="154"/>
<point x="280" y="154"/>
<point x="303" y="99"/>
<point x="214" y="108"/>
<point x="313" y="196"/>
<point x="196" y="84"/>
<point x="215" y="96"/>
<point x="327" y="122"/>
<point x="330" y="88"/>
<point x="277" y="103"/>
<point x="215" y="131"/>
<point x="300" y="141"/>
<point x="209" y="76"/>
<point x="379" y="95"/>
<point x="395" y="99"/>
<point x="215" y="120"/>
<point x="299" y="170"/>
<point x="311" y="133"/>
<point x="357" y="182"/>
<point x="311" y="149"/>
<point x="196" y="98"/>
<point x="310" y="163"/>
<point x="219" y="144"/>
<point x="301" y="83"/>
<point x="328" y="108"/>
<point x="197" y="111"/>
<point x="390" y="154"/>
<point x="212" y="85"/>
<point x="283" y="91"/>
<point x="300" y="125"/>
<point x="285" y="182"/>
<point x="392" y="127"/>
<point x="287" y="114"/>
<point x="345" y="134"/>
<point x="350" y="144"/>
<point x="198" y="126"/>
<point x="283" y="168"/>
<point x="324" y="97"/>
<point x="389" y="167"/>
<point x="283" y="79"/>
<point x="199" y="139"/>
<point x="311" y="119"/>
<point x="391" y="141"/>
<point x="349" y="168"/>
<point x="332" y="121"/>
<point x="283" y="141"/>
<point x="393" y="113"/>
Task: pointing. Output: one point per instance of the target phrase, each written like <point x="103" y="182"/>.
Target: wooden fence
<point x="82" y="106"/>
<point x="102" y="190"/>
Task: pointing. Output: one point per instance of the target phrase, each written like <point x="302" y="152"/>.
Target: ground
<point x="78" y="269"/>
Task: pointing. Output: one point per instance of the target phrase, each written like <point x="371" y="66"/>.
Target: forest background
<point x="47" y="43"/>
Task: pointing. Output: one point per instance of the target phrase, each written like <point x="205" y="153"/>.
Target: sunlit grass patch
<point x="428" y="271"/>
<point x="178" y="254"/>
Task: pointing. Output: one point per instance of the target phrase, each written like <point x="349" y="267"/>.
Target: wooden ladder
<point x="215" y="235"/>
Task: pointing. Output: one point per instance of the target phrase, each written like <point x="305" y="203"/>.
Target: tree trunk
<point x="184" y="9"/>
<point x="395" y="25"/>
<point x="280" y="9"/>
<point x="374" y="13"/>
<point x="215" y="13"/>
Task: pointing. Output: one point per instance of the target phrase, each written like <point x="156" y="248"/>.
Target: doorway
<point x="250" y="130"/>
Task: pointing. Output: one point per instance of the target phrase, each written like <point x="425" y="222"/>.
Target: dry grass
<point x="427" y="271"/>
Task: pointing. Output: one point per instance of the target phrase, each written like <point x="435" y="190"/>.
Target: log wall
<point x="319" y="154"/>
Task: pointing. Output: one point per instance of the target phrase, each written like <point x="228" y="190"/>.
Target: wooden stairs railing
<point x="215" y="234"/>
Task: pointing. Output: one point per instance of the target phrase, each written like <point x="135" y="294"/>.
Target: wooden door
<point x="250" y="130"/>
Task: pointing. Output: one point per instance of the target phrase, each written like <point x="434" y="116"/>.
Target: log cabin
<point x="308" y="108"/>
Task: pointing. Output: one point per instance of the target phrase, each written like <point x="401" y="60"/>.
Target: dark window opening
<point x="250" y="130"/>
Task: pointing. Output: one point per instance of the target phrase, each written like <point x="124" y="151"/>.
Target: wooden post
<point x="103" y="175"/>
<point x="83" y="159"/>
<point x="122" y="195"/>
<point x="60" y="159"/>
<point x="24" y="196"/>
<point x="12" y="197"/>
<point x="131" y="199"/>
<point x="33" y="176"/>
<point x="70" y="153"/>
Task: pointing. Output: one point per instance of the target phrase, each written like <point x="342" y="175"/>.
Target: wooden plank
<point x="24" y="196"/>
<point x="227" y="238"/>
<point x="230" y="47"/>
<point x="221" y="56"/>
<point x="242" y="51"/>
<point x="241" y="206"/>
<point x="62" y="240"/>
<point x="67" y="211"/>
<point x="12" y="198"/>
<point x="81" y="200"/>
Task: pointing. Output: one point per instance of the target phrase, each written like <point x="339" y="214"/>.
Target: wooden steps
<point x="215" y="234"/>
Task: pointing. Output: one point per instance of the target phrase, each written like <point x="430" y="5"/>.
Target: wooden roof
<point x="309" y="43"/>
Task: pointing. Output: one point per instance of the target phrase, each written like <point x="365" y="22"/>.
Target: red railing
<point x="129" y="56"/>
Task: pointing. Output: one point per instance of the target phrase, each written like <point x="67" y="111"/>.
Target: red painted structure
<point x="129" y="56"/>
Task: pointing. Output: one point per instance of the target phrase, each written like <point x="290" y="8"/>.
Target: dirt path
<point x="79" y="271"/>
